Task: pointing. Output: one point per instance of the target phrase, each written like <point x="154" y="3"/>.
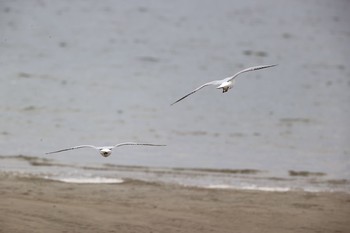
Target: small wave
<point x="250" y="187"/>
<point x="305" y="173"/>
<point x="217" y="170"/>
<point x="267" y="189"/>
<point x="96" y="180"/>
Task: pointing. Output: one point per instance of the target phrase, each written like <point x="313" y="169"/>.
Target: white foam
<point x="267" y="189"/>
<point x="96" y="180"/>
<point x="220" y="186"/>
<point x="250" y="187"/>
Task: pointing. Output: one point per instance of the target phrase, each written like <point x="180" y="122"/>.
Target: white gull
<point x="226" y="83"/>
<point x="106" y="151"/>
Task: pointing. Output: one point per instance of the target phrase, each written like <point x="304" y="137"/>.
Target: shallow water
<point x="106" y="72"/>
<point x="247" y="179"/>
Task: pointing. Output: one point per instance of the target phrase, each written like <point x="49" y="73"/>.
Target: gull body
<point x="105" y="151"/>
<point x="225" y="86"/>
<point x="226" y="83"/>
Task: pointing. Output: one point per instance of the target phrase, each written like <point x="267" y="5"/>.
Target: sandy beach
<point x="105" y="72"/>
<point x="30" y="204"/>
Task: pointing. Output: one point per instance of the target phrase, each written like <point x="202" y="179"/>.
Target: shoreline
<point x="31" y="204"/>
<point x="218" y="178"/>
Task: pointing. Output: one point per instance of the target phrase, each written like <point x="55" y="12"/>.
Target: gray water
<point x="105" y="72"/>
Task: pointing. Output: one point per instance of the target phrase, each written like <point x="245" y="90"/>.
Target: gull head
<point x="105" y="152"/>
<point x="225" y="86"/>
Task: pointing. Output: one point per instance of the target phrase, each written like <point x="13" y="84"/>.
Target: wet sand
<point x="29" y="204"/>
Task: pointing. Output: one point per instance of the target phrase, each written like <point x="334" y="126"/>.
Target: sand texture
<point x="29" y="204"/>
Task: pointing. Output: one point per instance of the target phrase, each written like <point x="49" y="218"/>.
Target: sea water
<point x="101" y="73"/>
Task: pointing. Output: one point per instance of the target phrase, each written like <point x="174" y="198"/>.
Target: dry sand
<point x="29" y="204"/>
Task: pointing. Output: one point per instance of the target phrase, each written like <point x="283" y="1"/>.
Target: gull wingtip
<point x="174" y="102"/>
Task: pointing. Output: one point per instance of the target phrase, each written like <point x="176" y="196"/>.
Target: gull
<point x="106" y="151"/>
<point x="226" y="83"/>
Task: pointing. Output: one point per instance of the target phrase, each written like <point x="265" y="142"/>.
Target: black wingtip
<point x="266" y="66"/>
<point x="51" y="152"/>
<point x="176" y="101"/>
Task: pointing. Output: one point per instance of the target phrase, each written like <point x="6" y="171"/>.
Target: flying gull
<point x="106" y="151"/>
<point x="224" y="84"/>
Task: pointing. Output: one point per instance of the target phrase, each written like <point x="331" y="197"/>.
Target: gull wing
<point x="136" y="144"/>
<point x="248" y="69"/>
<point x="216" y="82"/>
<point x="73" y="148"/>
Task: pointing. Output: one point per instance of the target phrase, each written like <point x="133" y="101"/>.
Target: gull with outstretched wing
<point x="224" y="84"/>
<point x="106" y="151"/>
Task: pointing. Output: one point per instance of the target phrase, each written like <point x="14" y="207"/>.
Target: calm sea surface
<point x="105" y="72"/>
